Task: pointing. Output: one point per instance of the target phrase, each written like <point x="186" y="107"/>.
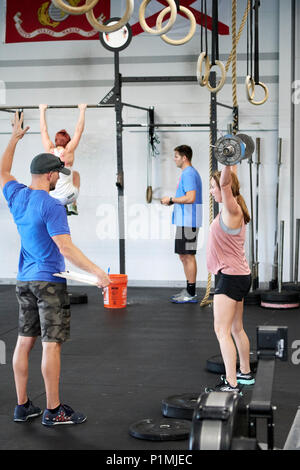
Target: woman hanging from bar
<point x="67" y="187"/>
<point x="226" y="258"/>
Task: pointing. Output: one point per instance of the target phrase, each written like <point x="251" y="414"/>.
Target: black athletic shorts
<point x="186" y="239"/>
<point x="235" y="287"/>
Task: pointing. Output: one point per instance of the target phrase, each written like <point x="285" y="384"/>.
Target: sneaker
<point x="184" y="297"/>
<point x="245" y="379"/>
<point x="224" y="386"/>
<point x="64" y="415"/>
<point x="72" y="209"/>
<point x="23" y="413"/>
<point x="179" y="294"/>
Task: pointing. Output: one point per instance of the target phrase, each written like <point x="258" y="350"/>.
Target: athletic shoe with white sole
<point x="245" y="379"/>
<point x="23" y="413"/>
<point x="179" y="294"/>
<point x="184" y="298"/>
<point x="64" y="415"/>
<point x="224" y="386"/>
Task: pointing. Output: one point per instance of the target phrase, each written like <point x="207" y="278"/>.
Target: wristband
<point x="171" y="202"/>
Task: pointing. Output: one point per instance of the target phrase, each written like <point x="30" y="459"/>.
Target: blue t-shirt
<point x="188" y="215"/>
<point x="38" y="217"/>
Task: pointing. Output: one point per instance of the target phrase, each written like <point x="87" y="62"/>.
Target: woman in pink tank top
<point x="226" y="258"/>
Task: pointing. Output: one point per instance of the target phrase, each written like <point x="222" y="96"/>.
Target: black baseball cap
<point x="46" y="162"/>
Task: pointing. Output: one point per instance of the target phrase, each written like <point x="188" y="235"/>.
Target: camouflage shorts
<point x="44" y="310"/>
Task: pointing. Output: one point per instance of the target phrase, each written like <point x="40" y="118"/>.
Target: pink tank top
<point x="225" y="249"/>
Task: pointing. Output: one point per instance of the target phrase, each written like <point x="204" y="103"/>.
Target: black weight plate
<point x="291" y="286"/>
<point x="252" y="298"/>
<point x="180" y="406"/>
<point x="280" y="297"/>
<point x="216" y="365"/>
<point x="250" y="145"/>
<point x="160" y="429"/>
<point x="78" y="298"/>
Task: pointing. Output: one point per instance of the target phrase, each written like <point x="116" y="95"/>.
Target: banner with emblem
<point x="40" y="20"/>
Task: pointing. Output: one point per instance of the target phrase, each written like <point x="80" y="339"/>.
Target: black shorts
<point x="235" y="287"/>
<point x="186" y="239"/>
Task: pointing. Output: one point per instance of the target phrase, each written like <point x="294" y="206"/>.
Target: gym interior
<point x="124" y="366"/>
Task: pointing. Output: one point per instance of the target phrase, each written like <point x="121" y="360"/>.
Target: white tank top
<point x="64" y="186"/>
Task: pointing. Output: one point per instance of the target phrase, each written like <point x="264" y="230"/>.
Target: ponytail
<point x="235" y="188"/>
<point x="242" y="204"/>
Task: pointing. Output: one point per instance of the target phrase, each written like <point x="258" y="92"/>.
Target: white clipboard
<point x="73" y="276"/>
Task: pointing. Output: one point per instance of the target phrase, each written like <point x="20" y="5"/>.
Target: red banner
<point x="40" y="20"/>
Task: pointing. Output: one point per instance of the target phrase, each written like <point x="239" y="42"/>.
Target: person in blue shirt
<point x="187" y="216"/>
<point x="44" y="307"/>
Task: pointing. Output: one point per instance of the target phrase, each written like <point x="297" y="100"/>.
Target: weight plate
<point x="180" y="406"/>
<point x="279" y="306"/>
<point x="216" y="365"/>
<point x="283" y="297"/>
<point x="78" y="298"/>
<point x="160" y="429"/>
<point x="252" y="298"/>
<point x="291" y="286"/>
<point x="249" y="142"/>
<point x="228" y="150"/>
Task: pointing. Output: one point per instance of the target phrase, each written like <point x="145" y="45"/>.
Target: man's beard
<point x="52" y="186"/>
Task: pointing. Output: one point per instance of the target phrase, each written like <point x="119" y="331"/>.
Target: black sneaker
<point x="64" y="415"/>
<point x="245" y="379"/>
<point x="23" y="413"/>
<point x="224" y="386"/>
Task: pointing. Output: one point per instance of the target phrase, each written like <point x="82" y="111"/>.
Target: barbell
<point x="232" y="149"/>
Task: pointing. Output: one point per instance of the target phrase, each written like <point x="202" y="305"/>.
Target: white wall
<point x="72" y="72"/>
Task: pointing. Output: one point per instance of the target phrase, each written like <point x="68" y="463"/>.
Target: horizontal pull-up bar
<point x="136" y="107"/>
<point x="184" y="78"/>
<point x="56" y="106"/>
<point x="166" y="125"/>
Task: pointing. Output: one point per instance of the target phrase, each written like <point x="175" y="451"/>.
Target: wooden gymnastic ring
<point x="158" y="32"/>
<point x="250" y="84"/>
<point x="223" y="77"/>
<point x="203" y="79"/>
<point x="89" y="4"/>
<point x="114" y="27"/>
<point x="149" y="194"/>
<point x="188" y="37"/>
<point x="258" y="103"/>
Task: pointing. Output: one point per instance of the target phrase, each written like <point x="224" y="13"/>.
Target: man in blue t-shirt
<point x="44" y="306"/>
<point x="187" y="216"/>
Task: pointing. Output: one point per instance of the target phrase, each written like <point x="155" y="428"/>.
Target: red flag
<point x="41" y="20"/>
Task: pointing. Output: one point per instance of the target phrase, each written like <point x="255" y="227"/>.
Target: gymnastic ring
<point x="149" y="194"/>
<point x="177" y="42"/>
<point x="159" y="32"/>
<point x="114" y="27"/>
<point x="266" y="90"/>
<point x="223" y="77"/>
<point x="89" y="4"/>
<point x="203" y="79"/>
<point x="250" y="84"/>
